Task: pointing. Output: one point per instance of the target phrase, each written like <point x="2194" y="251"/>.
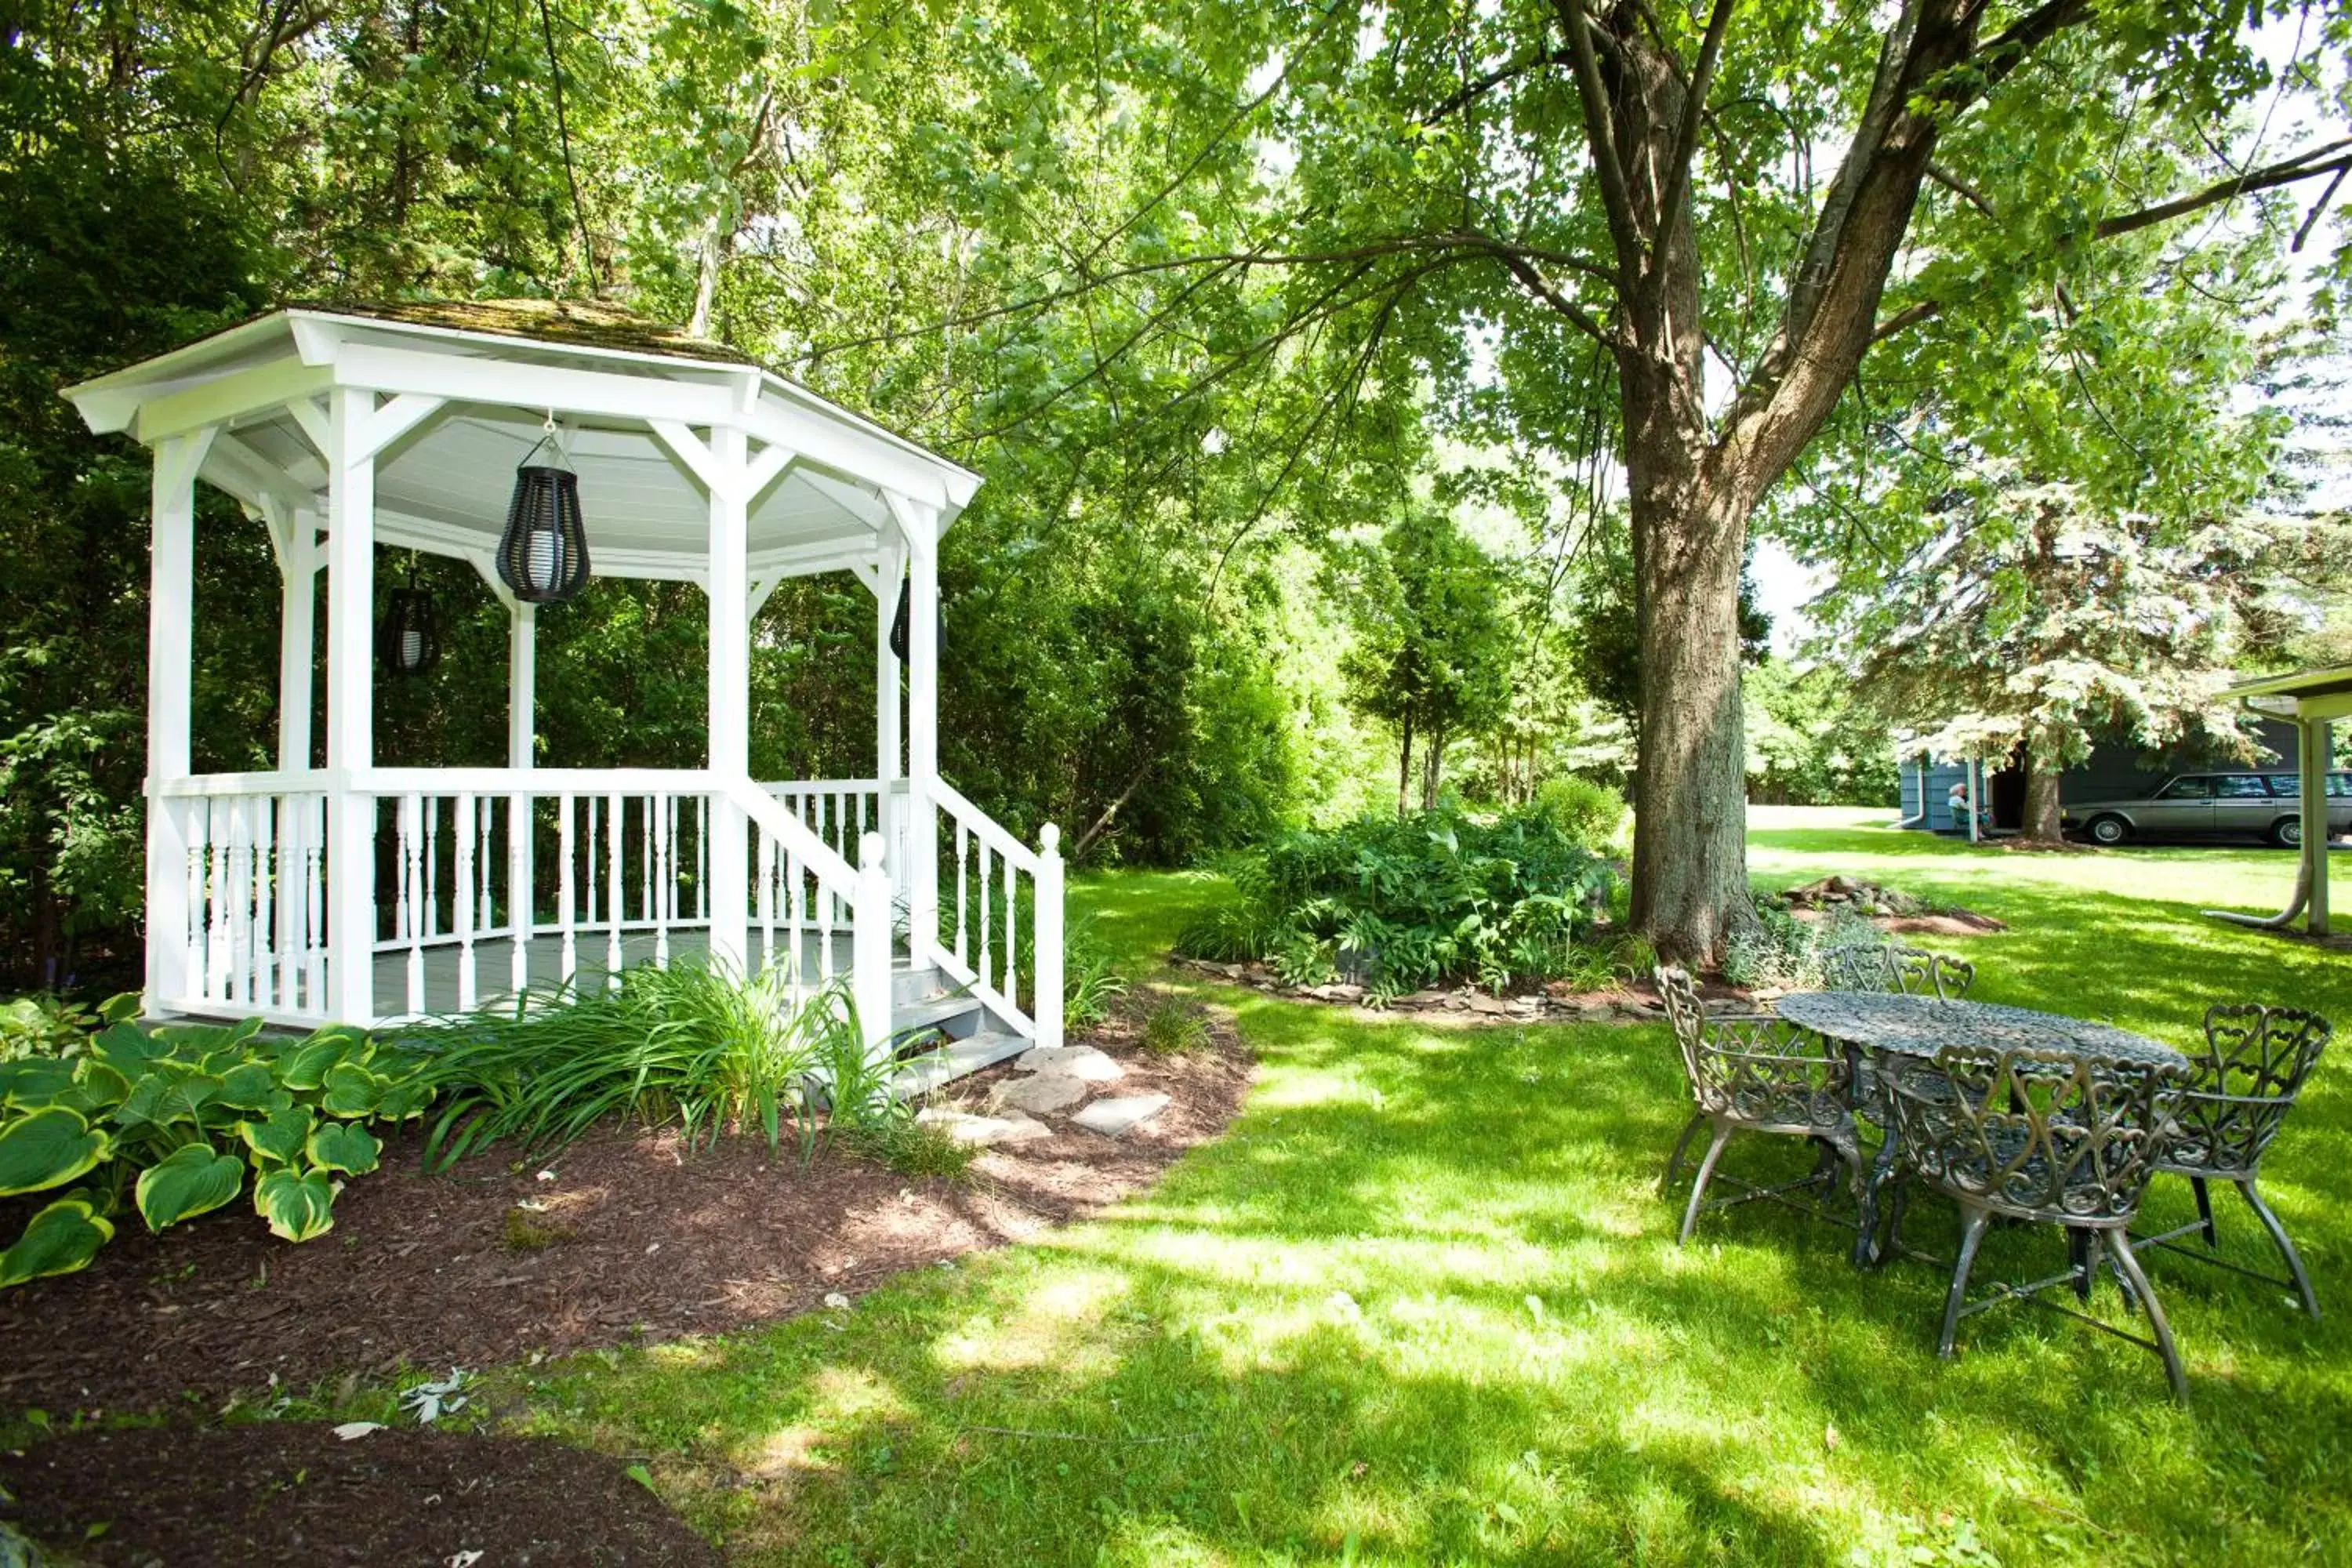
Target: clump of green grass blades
<point x="687" y="1042"/>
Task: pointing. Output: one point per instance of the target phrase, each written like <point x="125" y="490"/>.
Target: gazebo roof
<point x="628" y="394"/>
<point x="2322" y="693"/>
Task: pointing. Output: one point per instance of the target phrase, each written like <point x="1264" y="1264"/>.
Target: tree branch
<point x="1694" y="93"/>
<point x="1608" y="163"/>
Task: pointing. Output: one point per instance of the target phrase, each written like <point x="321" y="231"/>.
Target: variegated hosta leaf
<point x="61" y="1239"/>
<point x="351" y="1091"/>
<point x="170" y="1095"/>
<point x="128" y="1047"/>
<point x="298" y="1205"/>
<point x="188" y="1182"/>
<point x="32" y="1083"/>
<point x="305" y="1068"/>
<point x="248" y="1086"/>
<point x="277" y="1139"/>
<point x="346" y="1147"/>
<point x="48" y="1148"/>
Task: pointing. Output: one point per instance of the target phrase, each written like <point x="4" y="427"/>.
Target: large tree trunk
<point x="1433" y="768"/>
<point x="2043" y="766"/>
<point x="1690" y="819"/>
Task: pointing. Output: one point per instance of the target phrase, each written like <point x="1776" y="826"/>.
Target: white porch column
<point x="522" y="728"/>
<point x="890" y="733"/>
<point x="171" y="650"/>
<point x="730" y="694"/>
<point x="298" y="639"/>
<point x="922" y="877"/>
<point x="351" y="708"/>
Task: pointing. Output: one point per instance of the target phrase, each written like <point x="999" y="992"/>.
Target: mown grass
<point x="1422" y="1304"/>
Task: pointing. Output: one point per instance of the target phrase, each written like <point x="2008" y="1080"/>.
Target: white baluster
<point x="195" y="833"/>
<point x="588" y="863"/>
<point x="962" y="841"/>
<point x="792" y="908"/>
<point x="613" y="898"/>
<point x="518" y="890"/>
<point x="216" y="953"/>
<point x="262" y="988"/>
<point x="570" y="933"/>
<point x="987" y="930"/>
<point x="666" y="881"/>
<point x="464" y="814"/>
<point x="432" y="904"/>
<point x="314" y="900"/>
<point x="702" y="860"/>
<point x="766" y="895"/>
<point x="410" y="861"/>
<point x="1012" y="929"/>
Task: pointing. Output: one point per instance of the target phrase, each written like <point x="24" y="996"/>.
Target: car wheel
<point x="2287" y="833"/>
<point x="2108" y="830"/>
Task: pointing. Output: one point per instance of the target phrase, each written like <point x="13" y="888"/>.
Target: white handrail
<point x="983" y="827"/>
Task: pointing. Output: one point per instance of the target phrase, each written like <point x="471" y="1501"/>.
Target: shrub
<point x="53" y="1026"/>
<point x="1582" y="810"/>
<point x="685" y="1044"/>
<point x="1173" y="1027"/>
<point x="1408" y="902"/>
<point x="1089" y="983"/>
<point x="1787" y="952"/>
<point x="176" y="1119"/>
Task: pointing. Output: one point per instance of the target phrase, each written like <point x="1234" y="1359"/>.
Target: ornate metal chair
<point x="2255" y="1063"/>
<point x="1886" y="966"/>
<point x="1753" y="1073"/>
<point x="2047" y="1137"/>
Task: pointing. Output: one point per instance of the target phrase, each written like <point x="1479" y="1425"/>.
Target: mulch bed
<point x="632" y="1240"/>
<point x="292" y="1492"/>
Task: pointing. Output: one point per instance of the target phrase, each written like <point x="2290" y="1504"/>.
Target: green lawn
<point x="1422" y="1304"/>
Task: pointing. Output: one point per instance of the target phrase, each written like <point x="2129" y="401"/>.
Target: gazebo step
<point x="958" y="1058"/>
<point x="941" y="1012"/>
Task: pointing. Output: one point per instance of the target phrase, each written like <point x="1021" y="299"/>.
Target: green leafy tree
<point x="1434" y="644"/>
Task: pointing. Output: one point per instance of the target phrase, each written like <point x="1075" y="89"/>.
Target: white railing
<point x="990" y="882"/>
<point x="489" y="881"/>
<point x="840" y="812"/>
<point x="256" y="939"/>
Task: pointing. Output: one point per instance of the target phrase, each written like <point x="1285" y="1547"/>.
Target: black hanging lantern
<point x="408" y="643"/>
<point x="543" y="555"/>
<point x="900" y="638"/>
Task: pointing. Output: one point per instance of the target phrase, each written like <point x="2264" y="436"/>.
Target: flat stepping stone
<point x="1082" y="1062"/>
<point x="985" y="1130"/>
<point x="1120" y="1113"/>
<point x="1040" y="1094"/>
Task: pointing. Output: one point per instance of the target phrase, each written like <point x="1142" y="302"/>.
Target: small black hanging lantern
<point x="408" y="643"/>
<point x="901" y="637"/>
<point x="543" y="555"/>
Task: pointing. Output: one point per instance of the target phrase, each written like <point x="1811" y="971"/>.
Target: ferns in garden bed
<point x="1405" y="902"/>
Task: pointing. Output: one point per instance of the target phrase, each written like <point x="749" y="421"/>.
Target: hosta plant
<point x="182" y="1120"/>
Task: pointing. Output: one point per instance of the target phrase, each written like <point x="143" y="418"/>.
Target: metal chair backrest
<point x="2043" y="1135"/>
<point x="2256" y="1060"/>
<point x="1751" y="1066"/>
<point x="1885" y="966"/>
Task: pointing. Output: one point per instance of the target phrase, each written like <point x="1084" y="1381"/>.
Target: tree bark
<point x="1433" y="765"/>
<point x="1405" y="768"/>
<point x="2043" y="766"/>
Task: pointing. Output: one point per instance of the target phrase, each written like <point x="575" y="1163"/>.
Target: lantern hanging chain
<point x="551" y="436"/>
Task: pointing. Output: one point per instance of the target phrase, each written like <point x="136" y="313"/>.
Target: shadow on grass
<point x="1422" y="1304"/>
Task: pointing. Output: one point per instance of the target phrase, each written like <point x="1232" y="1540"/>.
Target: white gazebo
<point x="334" y="890"/>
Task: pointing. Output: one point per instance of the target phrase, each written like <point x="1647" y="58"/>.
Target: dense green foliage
<point x="1813" y="740"/>
<point x="1406" y="902"/>
<point x="175" y="1119"/>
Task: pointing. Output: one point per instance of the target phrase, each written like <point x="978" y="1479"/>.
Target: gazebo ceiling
<point x="502" y="367"/>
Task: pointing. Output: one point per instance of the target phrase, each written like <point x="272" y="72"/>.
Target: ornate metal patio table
<point x="1868" y="1023"/>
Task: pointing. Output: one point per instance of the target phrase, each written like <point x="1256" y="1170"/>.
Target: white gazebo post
<point x="171" y="650"/>
<point x="298" y="636"/>
<point x="920" y="877"/>
<point x="351" y="707"/>
<point x="523" y="730"/>
<point x="889" y="747"/>
<point x="731" y="693"/>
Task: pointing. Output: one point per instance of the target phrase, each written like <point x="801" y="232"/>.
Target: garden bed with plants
<point x="626" y="1235"/>
<point x="297" y="1491"/>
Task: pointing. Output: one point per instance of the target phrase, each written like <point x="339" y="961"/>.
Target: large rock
<point x="985" y="1130"/>
<point x="1120" y="1114"/>
<point x="1081" y="1062"/>
<point x="1040" y="1094"/>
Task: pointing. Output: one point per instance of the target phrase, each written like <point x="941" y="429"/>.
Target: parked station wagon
<point x="2213" y="805"/>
